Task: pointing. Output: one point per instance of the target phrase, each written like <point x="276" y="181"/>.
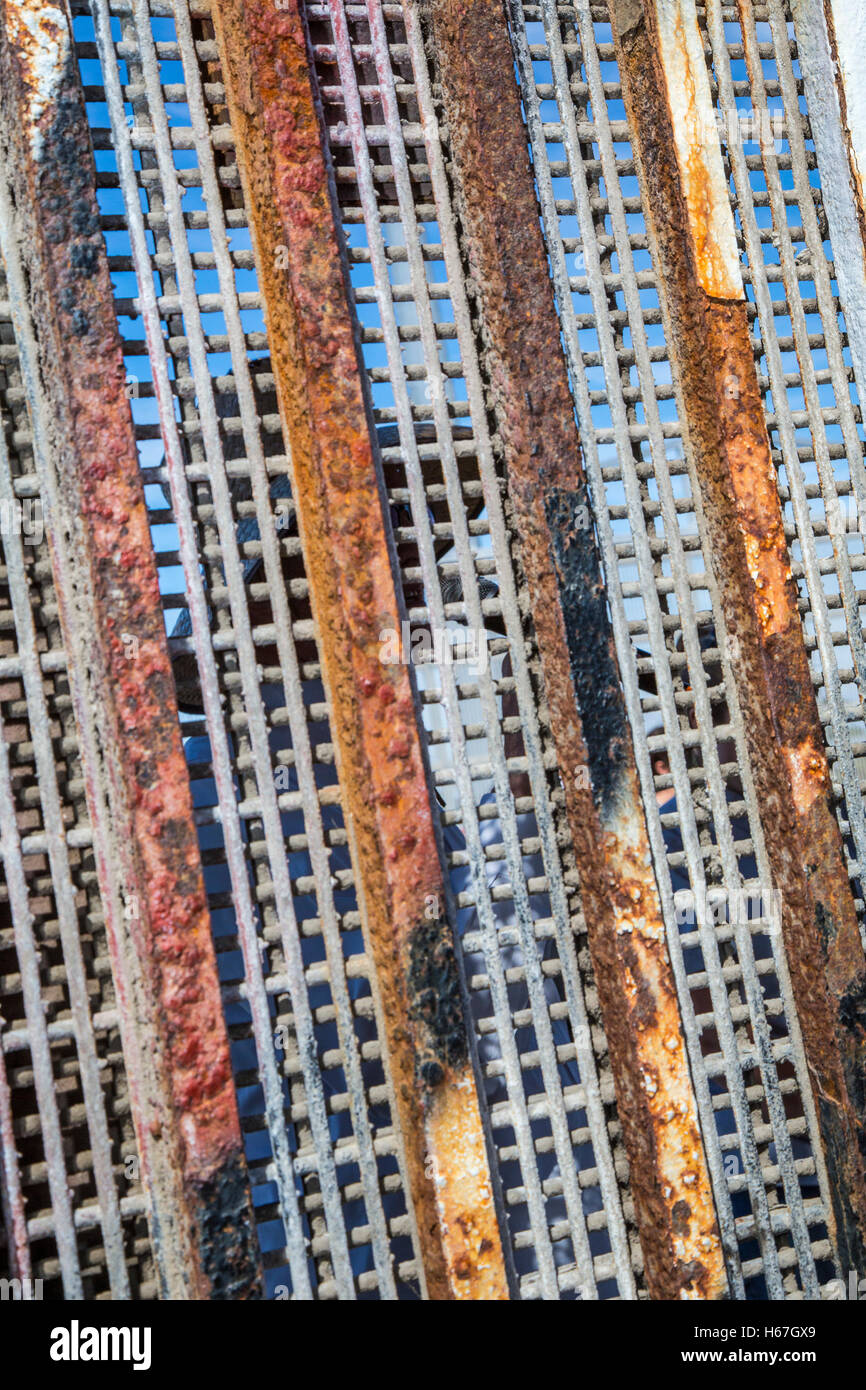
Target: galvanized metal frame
<point x="285" y="1169"/>
<point x="379" y="101"/>
<point x="144" y="836"/>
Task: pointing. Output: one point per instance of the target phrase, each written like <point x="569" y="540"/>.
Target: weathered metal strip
<point x="530" y="396"/>
<point x="710" y="349"/>
<point x="535" y="748"/>
<point x="846" y="31"/>
<point x="11" y="1196"/>
<point x="699" y="153"/>
<point x="381" y="760"/>
<point x="837" y="118"/>
<point x="827" y="43"/>
<point x="734" y="1078"/>
<point x="147" y="856"/>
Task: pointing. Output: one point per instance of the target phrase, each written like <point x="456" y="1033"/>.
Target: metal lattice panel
<point x="79" y="1209"/>
<point x="298" y="930"/>
<point x="346" y="1146"/>
<point x="733" y="987"/>
<point x="547" y="1118"/>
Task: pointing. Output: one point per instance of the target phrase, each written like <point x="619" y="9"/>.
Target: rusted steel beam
<point x="529" y="393"/>
<point x="660" y="55"/>
<point x="157" y="921"/>
<point x="375" y="722"/>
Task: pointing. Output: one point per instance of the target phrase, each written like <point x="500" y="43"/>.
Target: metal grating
<point x="77" y="1211"/>
<point x="326" y="1184"/>
<point x="329" y="1172"/>
<point x="733" y="988"/>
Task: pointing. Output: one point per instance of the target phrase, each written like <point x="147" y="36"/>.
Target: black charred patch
<point x="84" y="257"/>
<point x="824" y="921"/>
<point x="435" y="1001"/>
<point x="85" y="218"/>
<point x="852" y="1022"/>
<point x="590" y="642"/>
<point x="850" y="1244"/>
<point x="145" y="773"/>
<point x="175" y="832"/>
<point x="227" y="1240"/>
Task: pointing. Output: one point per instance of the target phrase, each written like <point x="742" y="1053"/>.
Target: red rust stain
<point x="151" y="811"/>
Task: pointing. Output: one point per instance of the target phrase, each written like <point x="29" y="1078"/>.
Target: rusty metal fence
<point x="432" y="744"/>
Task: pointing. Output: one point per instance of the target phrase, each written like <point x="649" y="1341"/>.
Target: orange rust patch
<point x="320" y="388"/>
<point x="529" y="393"/>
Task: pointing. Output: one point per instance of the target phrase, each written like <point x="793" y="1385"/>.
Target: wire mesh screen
<point x="330" y="1174"/>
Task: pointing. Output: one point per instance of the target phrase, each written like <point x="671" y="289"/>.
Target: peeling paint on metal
<point x="849" y="27"/>
<point x="42" y="37"/>
<point x="841" y="190"/>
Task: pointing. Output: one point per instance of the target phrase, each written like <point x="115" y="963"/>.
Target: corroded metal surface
<point x="699" y="155"/>
<point x="105" y="574"/>
<point x="846" y="25"/>
<point x="711" y="350"/>
<point x="828" y="47"/>
<point x="336" y="484"/>
<point x="528" y="390"/>
<point x="11" y="1197"/>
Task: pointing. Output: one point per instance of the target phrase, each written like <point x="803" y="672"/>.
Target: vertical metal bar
<point x="530" y="396"/>
<point x="667" y="97"/>
<point x="839" y="722"/>
<point x="380" y="756"/>
<point x="829" y="46"/>
<point x="531" y="732"/>
<point x="830" y="37"/>
<point x="289" y="664"/>
<point x="11" y="1196"/>
<point x="145" y="842"/>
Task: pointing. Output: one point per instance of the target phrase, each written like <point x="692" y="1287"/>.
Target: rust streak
<point x="529" y="393"/>
<point x="714" y="369"/>
<point x="320" y="387"/>
<point x="148" y="860"/>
